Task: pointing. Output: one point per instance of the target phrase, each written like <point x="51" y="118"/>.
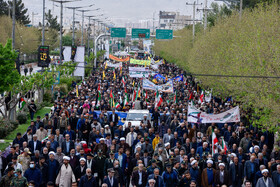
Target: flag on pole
<point x="201" y="96"/>
<point x="133" y="84"/>
<point x="22" y="103"/>
<point x="191" y="96"/>
<point x="126" y="102"/>
<point x="105" y="65"/>
<point x="214" y="142"/>
<point x="224" y="146"/>
<point x="112" y="103"/>
<point x="146" y="96"/>
<point x="117" y="105"/>
<point x="158" y="100"/>
<point x="123" y="81"/>
<point x="114" y="75"/>
<point x="120" y="69"/>
<point x="77" y="91"/>
<point x="175" y="97"/>
<point x="103" y="75"/>
<point x="98" y="97"/>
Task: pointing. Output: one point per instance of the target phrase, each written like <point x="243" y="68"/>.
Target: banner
<point x="167" y="87"/>
<point x="140" y="74"/>
<point x="118" y="65"/>
<point x="138" y="69"/>
<point x="196" y="116"/>
<point x="80" y="58"/>
<point x="118" y="59"/>
<point x="140" y="62"/>
<point x="122" y="116"/>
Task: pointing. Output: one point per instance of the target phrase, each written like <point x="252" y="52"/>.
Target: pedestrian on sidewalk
<point x="25" y="70"/>
<point x="30" y="69"/>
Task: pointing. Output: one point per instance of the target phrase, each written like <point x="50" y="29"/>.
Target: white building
<point x="173" y="20"/>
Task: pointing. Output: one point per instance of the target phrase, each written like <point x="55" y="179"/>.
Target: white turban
<point x="66" y="158"/>
<point x="209" y="161"/>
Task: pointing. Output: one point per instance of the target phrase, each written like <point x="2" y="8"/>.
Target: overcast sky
<point x="130" y="10"/>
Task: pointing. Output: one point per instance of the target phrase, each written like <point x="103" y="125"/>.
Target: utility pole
<point x="193" y="20"/>
<point x="205" y="15"/>
<point x="83" y="17"/>
<point x="14" y="23"/>
<point x="60" y="32"/>
<point x="153" y="22"/>
<point x="73" y="26"/>
<point x="43" y="24"/>
<point x="240" y="11"/>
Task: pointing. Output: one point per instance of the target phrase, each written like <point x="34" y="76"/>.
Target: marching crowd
<point x="73" y="145"/>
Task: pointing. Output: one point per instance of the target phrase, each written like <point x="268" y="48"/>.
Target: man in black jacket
<point x="81" y="169"/>
<point x="67" y="145"/>
<point x="99" y="160"/>
<point x="114" y="118"/>
<point x="236" y="173"/>
<point x="35" y="144"/>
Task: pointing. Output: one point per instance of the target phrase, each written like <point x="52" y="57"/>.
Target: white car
<point x="135" y="117"/>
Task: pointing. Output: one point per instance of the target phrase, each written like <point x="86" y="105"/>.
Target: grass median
<point x="22" y="128"/>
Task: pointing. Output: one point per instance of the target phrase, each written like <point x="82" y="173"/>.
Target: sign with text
<point x="43" y="56"/>
<point x="118" y="32"/>
<point x="164" y="34"/>
<point x="140" y="33"/>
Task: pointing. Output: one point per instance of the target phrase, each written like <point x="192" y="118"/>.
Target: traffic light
<point x="43" y="56"/>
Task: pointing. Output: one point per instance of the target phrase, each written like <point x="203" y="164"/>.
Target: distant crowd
<point x="80" y="144"/>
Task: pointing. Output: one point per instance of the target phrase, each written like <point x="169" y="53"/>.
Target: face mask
<point x="31" y="165"/>
<point x="117" y="166"/>
<point x="16" y="175"/>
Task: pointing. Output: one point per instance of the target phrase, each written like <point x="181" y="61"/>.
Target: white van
<point x="135" y="117"/>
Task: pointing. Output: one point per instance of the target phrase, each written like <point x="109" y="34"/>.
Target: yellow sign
<point x="140" y="62"/>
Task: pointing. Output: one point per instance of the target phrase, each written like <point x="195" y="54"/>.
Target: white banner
<point x="141" y="74"/>
<point x="80" y="58"/>
<point x="117" y="65"/>
<point x="138" y="69"/>
<point x="167" y="87"/>
<point x="197" y="116"/>
<point x="67" y="53"/>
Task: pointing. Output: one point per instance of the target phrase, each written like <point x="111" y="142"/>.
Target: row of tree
<point x="236" y="47"/>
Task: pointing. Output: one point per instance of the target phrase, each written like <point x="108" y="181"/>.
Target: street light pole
<point x="43" y="24"/>
<point x="61" y="18"/>
<point x="83" y="17"/>
<point x="193" y="20"/>
<point x="73" y="28"/>
<point x="205" y="15"/>
<point x="14" y="23"/>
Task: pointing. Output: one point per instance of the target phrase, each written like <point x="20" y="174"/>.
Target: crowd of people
<point x="75" y="145"/>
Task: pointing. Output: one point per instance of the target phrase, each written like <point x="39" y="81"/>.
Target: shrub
<point x="22" y="118"/>
<point x="47" y="97"/>
<point x="6" y="128"/>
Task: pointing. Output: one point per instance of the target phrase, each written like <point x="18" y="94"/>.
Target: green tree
<point x="66" y="40"/>
<point x="217" y="13"/>
<point x="236" y="47"/>
<point x="9" y="75"/>
<point x="21" y="12"/>
<point x="52" y="21"/>
<point x="3" y="8"/>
